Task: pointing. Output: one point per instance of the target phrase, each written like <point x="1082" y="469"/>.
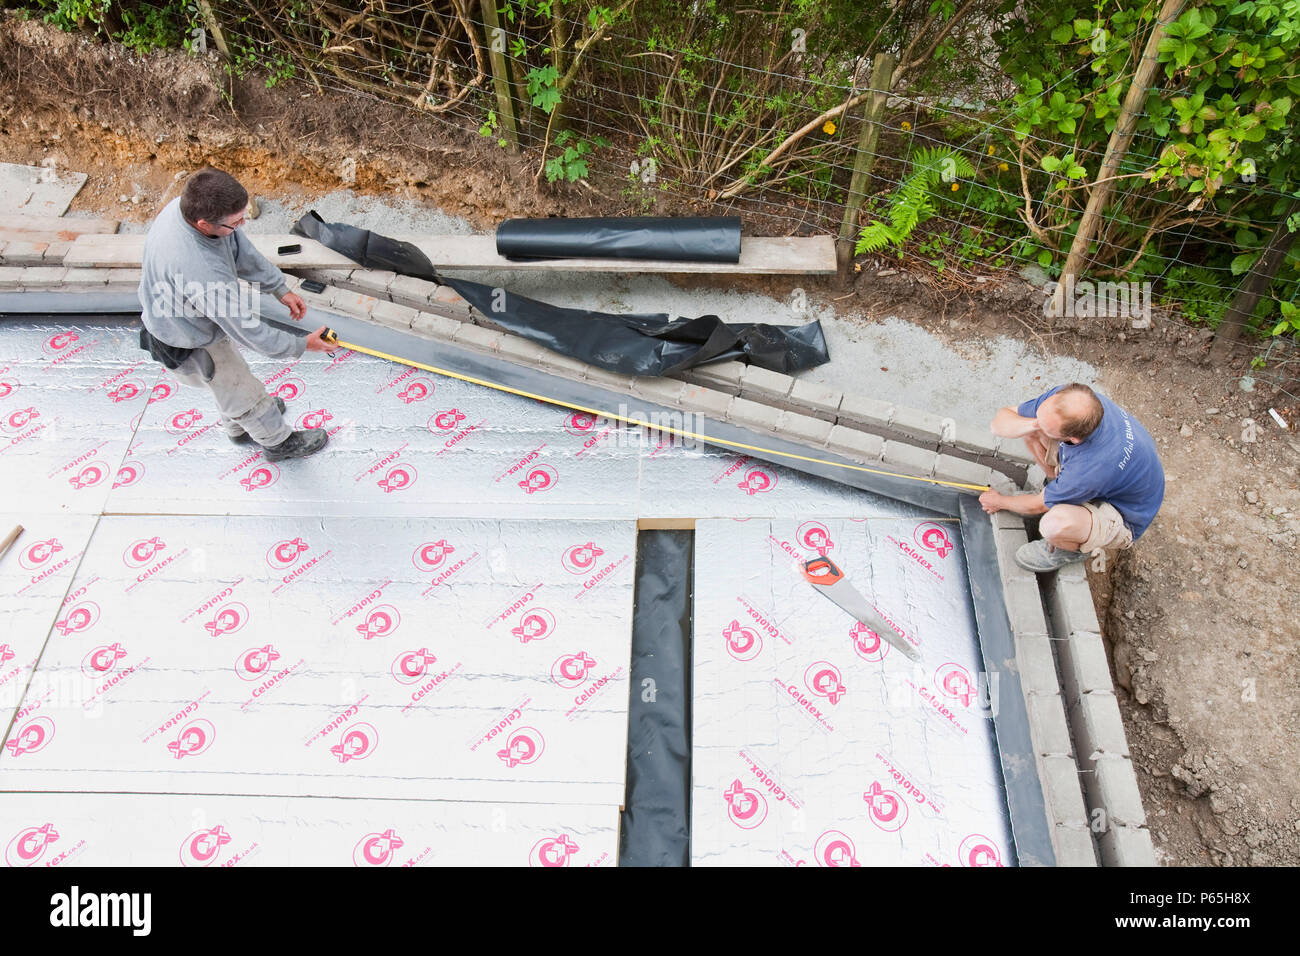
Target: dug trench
<point x="1199" y="618"/>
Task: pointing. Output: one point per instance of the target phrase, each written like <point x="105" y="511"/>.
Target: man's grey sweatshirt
<point x="191" y="297"/>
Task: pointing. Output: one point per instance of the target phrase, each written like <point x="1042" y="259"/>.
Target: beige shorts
<point x="1108" y="528"/>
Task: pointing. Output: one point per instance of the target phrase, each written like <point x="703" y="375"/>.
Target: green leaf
<point x="1044" y="258"/>
<point x="1063" y="34"/>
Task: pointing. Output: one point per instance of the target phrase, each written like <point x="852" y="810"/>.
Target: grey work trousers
<point x="241" y="398"/>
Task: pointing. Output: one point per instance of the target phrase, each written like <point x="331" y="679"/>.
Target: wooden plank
<point x="52" y="228"/>
<point x="758" y="256"/>
<point x="665" y="524"/>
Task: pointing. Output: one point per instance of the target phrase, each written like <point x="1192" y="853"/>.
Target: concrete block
<point x="1035" y="478"/>
<point x="520" y="350"/>
<point x="925" y="428"/>
<point x="3" y="243"/>
<point x="354" y="303"/>
<point x="768" y="386"/>
<point x="484" y="340"/>
<point x="1036" y="665"/>
<point x="1001" y="482"/>
<point x="976" y="439"/>
<point x="1008" y="520"/>
<point x="1024" y="605"/>
<point x="661" y="391"/>
<point x="43" y="277"/>
<point x="1014" y="449"/>
<point x="1117" y="788"/>
<point x="604" y="378"/>
<point x="1048" y="728"/>
<point x="434" y="326"/>
<point x="750" y="414"/>
<point x="870" y="413"/>
<point x="408" y="290"/>
<point x="1063" y="793"/>
<point x="804" y="428"/>
<point x="1074" y="846"/>
<point x="1007" y="541"/>
<point x="9" y="278"/>
<point x="708" y="402"/>
<point x="909" y="458"/>
<point x="373" y="281"/>
<point x="55" y="251"/>
<point x="22" y="253"/>
<point x="88" y="278"/>
<point x="448" y="301"/>
<point x="563" y="365"/>
<point x="858" y="445"/>
<point x="819" y="401"/>
<point x="1084" y="668"/>
<point x="959" y="469"/>
<point x="721" y="376"/>
<point x="1098" y="728"/>
<point x="124" y="280"/>
<point x="1127" y="846"/>
<point x="393" y="315"/>
<point x="1070" y="601"/>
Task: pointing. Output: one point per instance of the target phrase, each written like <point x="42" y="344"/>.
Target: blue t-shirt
<point x="1116" y="463"/>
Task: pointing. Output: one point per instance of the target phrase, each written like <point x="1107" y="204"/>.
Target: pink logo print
<point x="139" y="553"/>
<point x="887" y="809"/>
<point x="815" y="536"/>
<point x="128" y="474"/>
<point x="38" y="553"/>
<point x="537" y="625"/>
<point x="430" y="555"/>
<point x="977" y="850"/>
<point x="954" y="680"/>
<point x="833" y="848"/>
<point x="746" y="808"/>
<point x="89" y="476"/>
<point x="417" y="391"/>
<point x="539" y="479"/>
<point x="195" y="738"/>
<point x="579" y="423"/>
<point x="19" y="420"/>
<point x="30" y="845"/>
<point x="581" y="558"/>
<point x="80" y="618"/>
<point x="757" y="481"/>
<point x="316" y="419"/>
<point x="252" y="663"/>
<point x="823" y="679"/>
<point x="524" y="746"/>
<point x="100" y="660"/>
<point x="161" y="392"/>
<point x="31" y="737"/>
<point x="398" y="477"/>
<point x="184" y="421"/>
<point x="552" y="852"/>
<point x="410" y="666"/>
<point x="933" y="537"/>
<point x="7" y="389"/>
<point x="376" y="849"/>
<point x="743" y="643"/>
<point x="357" y="743"/>
<point x="867" y="643"/>
<point x="570" y="670"/>
<point x="6" y="653"/>
<point x="289" y="389"/>
<point x="124" y="392"/>
<point x="57" y="343"/>
<point x="262" y="477"/>
<point x="284" y="553"/>
<point x="202" y="847"/>
<point x="446" y="421"/>
<point x="380" y="622"/>
<point x="228" y="620"/>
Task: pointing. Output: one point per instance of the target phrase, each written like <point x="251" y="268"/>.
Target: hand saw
<point x="823" y="574"/>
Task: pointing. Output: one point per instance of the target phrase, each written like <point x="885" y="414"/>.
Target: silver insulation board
<point x="815" y="742"/>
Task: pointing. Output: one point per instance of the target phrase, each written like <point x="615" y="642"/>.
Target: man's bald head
<point x="1072" y="414"/>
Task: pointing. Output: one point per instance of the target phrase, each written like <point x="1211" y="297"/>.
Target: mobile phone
<point x="311" y="285"/>
<point x="288" y="250"/>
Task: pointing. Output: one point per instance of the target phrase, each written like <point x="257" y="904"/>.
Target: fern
<point x="913" y="201"/>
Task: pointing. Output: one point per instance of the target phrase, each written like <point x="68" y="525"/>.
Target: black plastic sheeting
<point x="684" y="239"/>
<point x="646" y="344"/>
<point x="656" y="823"/>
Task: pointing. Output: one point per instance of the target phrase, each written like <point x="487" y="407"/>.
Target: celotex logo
<point x="430" y="555"/>
<point x="581" y="558"/>
<point x="416" y="391"/>
<point x="37" y="554"/>
<point x="58" y="344"/>
<point x="8" y="388"/>
<point x="314" y="419"/>
<point x="289" y="389"/>
<point x="933" y="537"/>
<point x="356" y="742"/>
<point x="823" y="679"/>
<point x="757" y="481"/>
<point x="141" y="552"/>
<point x="814" y="536"/>
<point x="284" y="554"/>
<point x="570" y="670"/>
<point x="203" y="847"/>
<point x="580" y="424"/>
<point x="376" y="849"/>
<point x="380" y="622"/>
<point x="553" y="851"/>
<point x="262" y="476"/>
<point x="161" y="392"/>
<point x="867" y="644"/>
<point x="252" y="663"/>
<point x="886" y="808"/>
<point x="128" y="474"/>
<point x="955" y="683"/>
<point x="228" y="620"/>
<point x="102" y="659"/>
<point x="743" y="643"/>
<point x="834" y="848"/>
<point x="397" y="478"/>
<point x="32" y="737"/>
<point x="125" y="392"/>
<point x="17" y="420"/>
<point x="410" y="666"/>
<point x="746" y="808"/>
<point x="27" y="848"/>
<point x="82" y="617"/>
<point x="536" y="625"/>
<point x="979" y="850"/>
<point x="89" y="476"/>
<point x="446" y="421"/>
<point x="541" y="478"/>
<point x="181" y="422"/>
<point x="194" y="739"/>
<point x="524" y="746"/>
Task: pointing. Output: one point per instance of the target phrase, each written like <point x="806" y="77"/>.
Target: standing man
<point x="1105" y="482"/>
<point x="194" y="311"/>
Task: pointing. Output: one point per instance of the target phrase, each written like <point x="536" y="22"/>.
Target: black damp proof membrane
<point x="643" y="344"/>
<point x="679" y="239"/>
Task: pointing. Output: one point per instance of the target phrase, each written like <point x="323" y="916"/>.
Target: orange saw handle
<point x="822" y="571"/>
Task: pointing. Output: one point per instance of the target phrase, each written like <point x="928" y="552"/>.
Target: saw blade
<point x="827" y="578"/>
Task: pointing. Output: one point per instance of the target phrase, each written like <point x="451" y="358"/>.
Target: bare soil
<point x="1200" y="617"/>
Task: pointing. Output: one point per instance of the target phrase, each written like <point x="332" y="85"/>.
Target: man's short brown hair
<point x="212" y="195"/>
<point x="1081" y="411"/>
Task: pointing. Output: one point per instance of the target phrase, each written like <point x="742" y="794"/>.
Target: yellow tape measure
<point x="330" y="336"/>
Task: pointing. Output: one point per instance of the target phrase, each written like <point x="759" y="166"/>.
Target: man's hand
<point x="991" y="501"/>
<point x="317" y="344"/>
<point x="293" y="302"/>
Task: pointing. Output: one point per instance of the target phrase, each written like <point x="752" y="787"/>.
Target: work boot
<point x="243" y="438"/>
<point x="1040" y="557"/>
<point x="299" y="444"/>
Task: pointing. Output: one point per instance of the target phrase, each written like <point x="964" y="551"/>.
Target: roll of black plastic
<point x="684" y="239"/>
